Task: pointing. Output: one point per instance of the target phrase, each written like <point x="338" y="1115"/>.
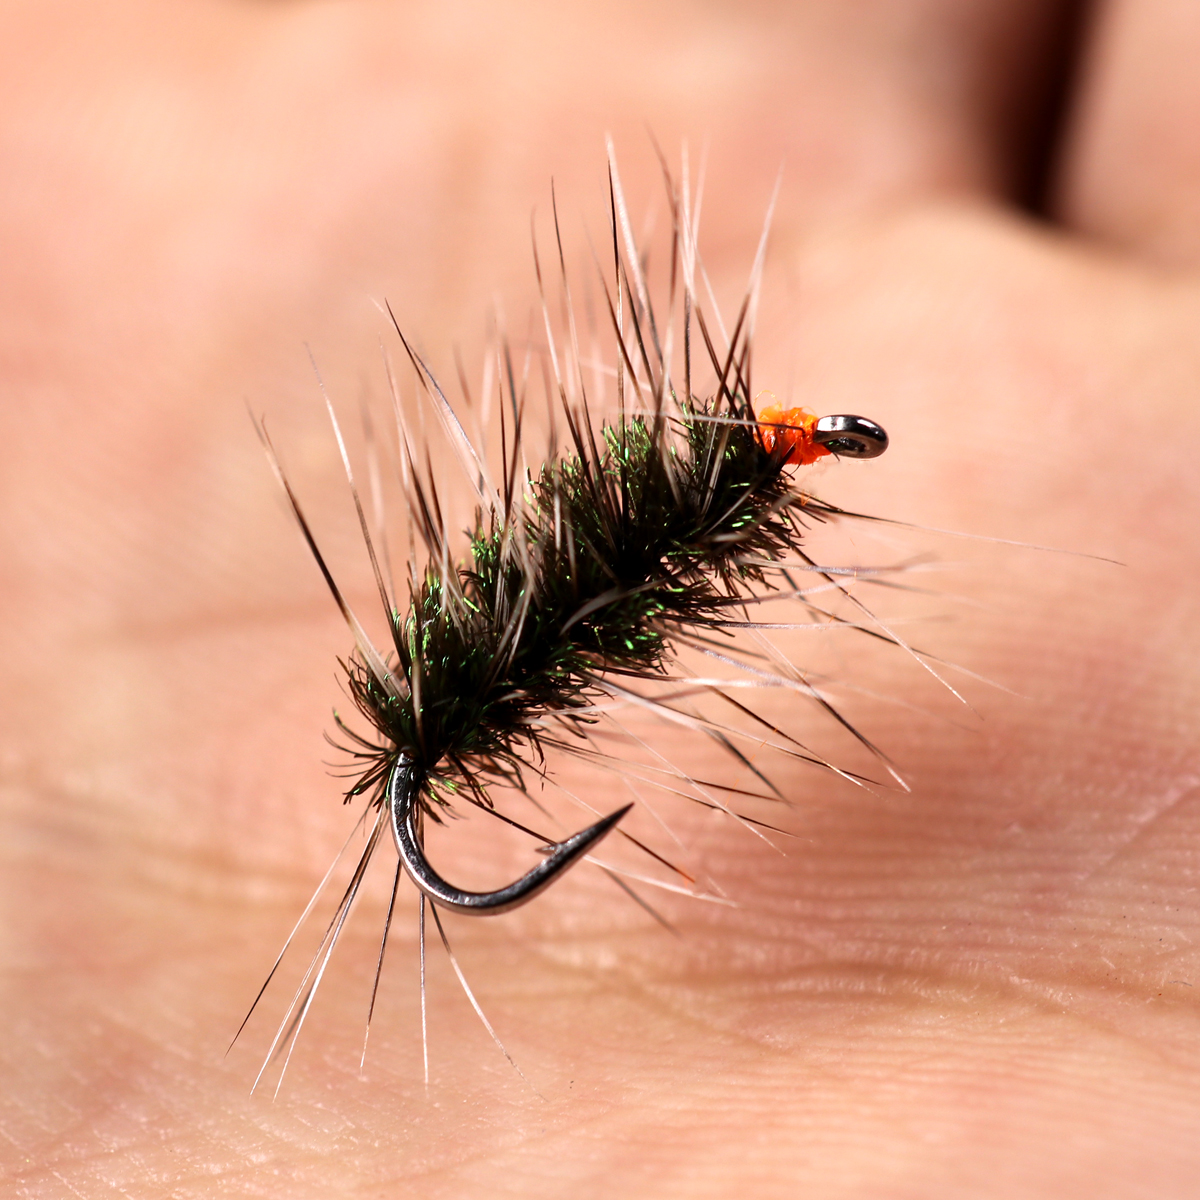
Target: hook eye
<point x="850" y="437"/>
<point x="404" y="787"/>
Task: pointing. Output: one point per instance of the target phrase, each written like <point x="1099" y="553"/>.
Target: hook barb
<point x="404" y="787"/>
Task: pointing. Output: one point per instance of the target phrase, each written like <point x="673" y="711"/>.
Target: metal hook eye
<point x="402" y="792"/>
<point x="851" y="437"/>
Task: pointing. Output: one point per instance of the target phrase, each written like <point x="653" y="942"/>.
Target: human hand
<point x="986" y="987"/>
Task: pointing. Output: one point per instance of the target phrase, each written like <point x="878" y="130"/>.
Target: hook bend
<point x="402" y="792"/>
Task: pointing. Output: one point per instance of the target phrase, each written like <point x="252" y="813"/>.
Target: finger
<point x="1131" y="168"/>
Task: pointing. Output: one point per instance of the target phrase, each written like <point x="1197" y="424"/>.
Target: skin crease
<point x="986" y="987"/>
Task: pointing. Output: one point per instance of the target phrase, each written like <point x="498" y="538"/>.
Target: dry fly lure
<point x="657" y="528"/>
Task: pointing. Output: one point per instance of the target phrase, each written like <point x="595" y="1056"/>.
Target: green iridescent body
<point x="658" y="527"/>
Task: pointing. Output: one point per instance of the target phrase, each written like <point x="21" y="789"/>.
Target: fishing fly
<point x="656" y="528"/>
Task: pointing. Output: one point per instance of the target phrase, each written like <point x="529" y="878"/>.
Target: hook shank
<point x="403" y="790"/>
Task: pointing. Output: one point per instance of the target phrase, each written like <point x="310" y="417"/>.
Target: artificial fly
<point x="656" y="529"/>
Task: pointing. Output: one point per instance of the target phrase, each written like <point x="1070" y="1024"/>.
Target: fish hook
<point x="404" y="787"/>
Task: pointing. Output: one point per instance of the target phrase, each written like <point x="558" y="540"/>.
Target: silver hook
<point x="851" y="437"/>
<point x="402" y="792"/>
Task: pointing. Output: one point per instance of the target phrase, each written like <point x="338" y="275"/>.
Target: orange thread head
<point x="790" y="433"/>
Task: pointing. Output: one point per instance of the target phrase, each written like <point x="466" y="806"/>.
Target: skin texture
<point x="986" y="987"/>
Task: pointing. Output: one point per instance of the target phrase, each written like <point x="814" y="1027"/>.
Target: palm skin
<point x="986" y="987"/>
